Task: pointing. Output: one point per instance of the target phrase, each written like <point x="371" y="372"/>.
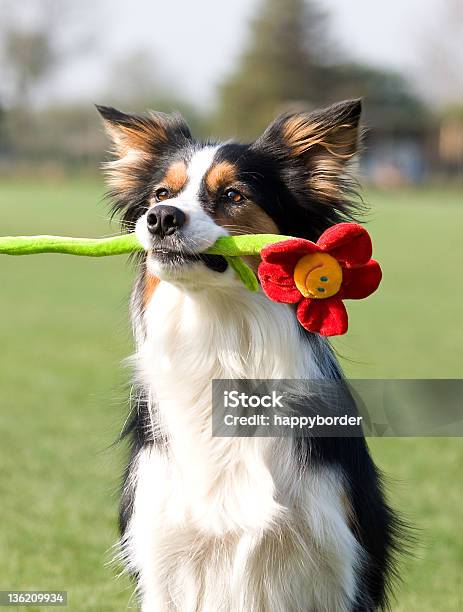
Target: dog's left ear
<point x="320" y="142"/>
<point x="143" y="133"/>
<point x="139" y="141"/>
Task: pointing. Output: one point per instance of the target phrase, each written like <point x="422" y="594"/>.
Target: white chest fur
<point x="226" y="524"/>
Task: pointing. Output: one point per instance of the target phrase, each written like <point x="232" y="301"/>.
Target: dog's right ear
<point x="146" y="135"/>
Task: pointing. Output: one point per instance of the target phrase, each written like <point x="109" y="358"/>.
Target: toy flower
<point x="318" y="276"/>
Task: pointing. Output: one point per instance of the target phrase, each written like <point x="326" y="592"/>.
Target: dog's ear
<point x="321" y="143"/>
<point x="145" y="134"/>
<point x="139" y="142"/>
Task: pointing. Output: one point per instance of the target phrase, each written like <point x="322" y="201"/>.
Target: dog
<point x="214" y="524"/>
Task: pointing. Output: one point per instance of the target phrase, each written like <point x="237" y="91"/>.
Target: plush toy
<point x="316" y="276"/>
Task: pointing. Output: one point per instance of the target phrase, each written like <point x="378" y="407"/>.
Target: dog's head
<point x="180" y="195"/>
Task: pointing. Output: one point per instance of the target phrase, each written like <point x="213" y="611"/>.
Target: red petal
<point x="360" y="282"/>
<point x="326" y="317"/>
<point x="349" y="243"/>
<point x="278" y="283"/>
<point x="288" y="252"/>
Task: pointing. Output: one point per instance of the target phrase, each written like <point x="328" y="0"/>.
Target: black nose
<point x="165" y="220"/>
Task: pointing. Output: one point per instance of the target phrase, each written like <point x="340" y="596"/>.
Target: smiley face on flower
<point x="318" y="276"/>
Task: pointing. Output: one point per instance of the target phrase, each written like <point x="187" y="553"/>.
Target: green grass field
<point x="64" y="332"/>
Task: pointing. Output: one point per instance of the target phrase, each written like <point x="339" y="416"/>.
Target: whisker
<point x="244" y="229"/>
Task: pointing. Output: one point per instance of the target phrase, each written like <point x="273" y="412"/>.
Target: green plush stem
<point x="244" y="272"/>
<point x="230" y="247"/>
<point x="90" y="247"/>
<point x="246" y="244"/>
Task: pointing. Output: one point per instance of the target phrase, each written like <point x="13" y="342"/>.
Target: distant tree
<point x="282" y="66"/>
<point x="291" y="63"/>
<point x="389" y="99"/>
<point x="36" y="37"/>
<point x="30" y="58"/>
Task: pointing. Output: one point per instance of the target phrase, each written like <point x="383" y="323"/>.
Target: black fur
<point x="382" y="533"/>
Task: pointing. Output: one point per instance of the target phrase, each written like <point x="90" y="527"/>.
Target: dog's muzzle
<point x="163" y="223"/>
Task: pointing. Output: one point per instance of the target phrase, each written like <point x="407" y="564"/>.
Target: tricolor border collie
<point x="211" y="524"/>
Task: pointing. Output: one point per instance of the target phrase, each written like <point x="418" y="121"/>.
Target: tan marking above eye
<point x="175" y="178"/>
<point x="220" y="176"/>
<point x="249" y="217"/>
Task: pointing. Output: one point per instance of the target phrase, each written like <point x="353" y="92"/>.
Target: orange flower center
<point x="318" y="275"/>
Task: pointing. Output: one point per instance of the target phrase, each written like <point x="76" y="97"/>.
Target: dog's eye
<point x="234" y="196"/>
<point x="162" y="194"/>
